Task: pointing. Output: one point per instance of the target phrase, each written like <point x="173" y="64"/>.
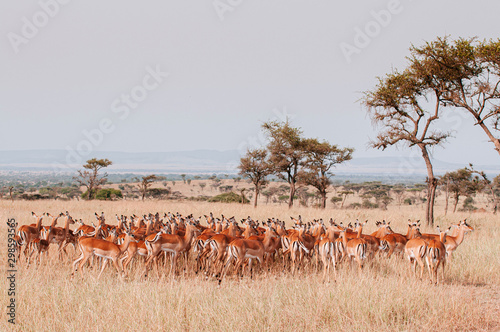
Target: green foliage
<point x="369" y="205"/>
<point x="108" y="194"/>
<point x="229" y="198"/>
<point x="354" y="206"/>
<point x="336" y="199"/>
<point x="409" y="201"/>
<point x="469" y="204"/>
<point x="200" y="198"/>
<point x="159" y="193"/>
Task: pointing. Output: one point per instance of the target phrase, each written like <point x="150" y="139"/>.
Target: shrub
<point x="160" y="193"/>
<point x="229" y="198"/>
<point x="108" y="194"/>
<point x="354" y="206"/>
<point x="369" y="205"/>
<point x="200" y="198"/>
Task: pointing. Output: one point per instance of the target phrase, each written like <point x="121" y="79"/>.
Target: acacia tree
<point x="255" y="166"/>
<point x="286" y="152"/>
<point x="90" y="179"/>
<point x="344" y="194"/>
<point x="461" y="183"/>
<point x="468" y="74"/>
<point x="396" y="104"/>
<point x="488" y="184"/>
<point x="319" y="160"/>
<point x="146" y="182"/>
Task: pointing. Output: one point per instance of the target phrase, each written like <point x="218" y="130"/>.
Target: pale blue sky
<point x="229" y="69"/>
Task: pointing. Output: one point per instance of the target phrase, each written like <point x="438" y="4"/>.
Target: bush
<point x="200" y="198"/>
<point x="228" y="198"/>
<point x="160" y="193"/>
<point x="108" y="194"/>
<point x="354" y="206"/>
<point x="335" y="199"/>
<point x="408" y="201"/>
<point x="469" y="205"/>
<point x="369" y="205"/>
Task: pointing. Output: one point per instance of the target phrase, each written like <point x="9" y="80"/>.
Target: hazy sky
<point x="186" y="75"/>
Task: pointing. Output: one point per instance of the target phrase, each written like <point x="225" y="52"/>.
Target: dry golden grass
<point x="384" y="297"/>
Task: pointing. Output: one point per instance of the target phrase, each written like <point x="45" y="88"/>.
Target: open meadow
<point x="384" y="296"/>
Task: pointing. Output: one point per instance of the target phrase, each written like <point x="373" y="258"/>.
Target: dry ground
<point x="384" y="297"/>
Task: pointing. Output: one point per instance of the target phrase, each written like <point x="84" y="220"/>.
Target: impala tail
<point x="433" y="253"/>
<point x="361" y="250"/>
<point x="384" y="245"/>
<point x="299" y="244"/>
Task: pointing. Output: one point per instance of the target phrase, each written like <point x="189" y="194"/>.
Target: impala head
<point x="388" y="228"/>
<point x="415" y="231"/>
<point x="442" y="234"/>
<point x="465" y="226"/>
<point x="342" y="232"/>
<point x="296" y="222"/>
<point x="128" y="233"/>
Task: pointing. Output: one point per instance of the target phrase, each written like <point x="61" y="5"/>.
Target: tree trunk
<point x="323" y="200"/>
<point x="456" y="203"/>
<point x="431" y="185"/>
<point x="447" y="196"/>
<point x="431" y="198"/>
<point x="256" y="196"/>
<point x="292" y="194"/>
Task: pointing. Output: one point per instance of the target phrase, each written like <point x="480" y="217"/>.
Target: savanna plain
<point x="384" y="296"/>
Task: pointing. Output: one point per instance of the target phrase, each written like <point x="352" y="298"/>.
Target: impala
<point x="270" y="239"/>
<point x="137" y="248"/>
<point x="393" y="242"/>
<point x="452" y="242"/>
<point x="40" y="245"/>
<point x="435" y="256"/>
<point x="415" y="249"/>
<point x="107" y="250"/>
<point x="60" y="235"/>
<point x="240" y="250"/>
<point x="355" y="248"/>
<point x="327" y="250"/>
<point x="216" y="248"/>
<point x="174" y="244"/>
<point x="29" y="233"/>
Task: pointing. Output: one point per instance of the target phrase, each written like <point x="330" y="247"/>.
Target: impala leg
<point x="76" y="262"/>
<point x="429" y="268"/>
<point x="80" y="266"/>
<point x="422" y="266"/>
<point x="104" y="263"/>
<point x="173" y="264"/>
<point x="119" y="268"/>
<point x="442" y="269"/>
<point x="127" y="262"/>
<point x="391" y="251"/>
<point x="224" y="268"/>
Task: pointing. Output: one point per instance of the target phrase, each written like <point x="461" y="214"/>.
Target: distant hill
<point x="203" y="161"/>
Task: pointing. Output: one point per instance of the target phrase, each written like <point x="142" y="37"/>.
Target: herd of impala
<point x="226" y="245"/>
